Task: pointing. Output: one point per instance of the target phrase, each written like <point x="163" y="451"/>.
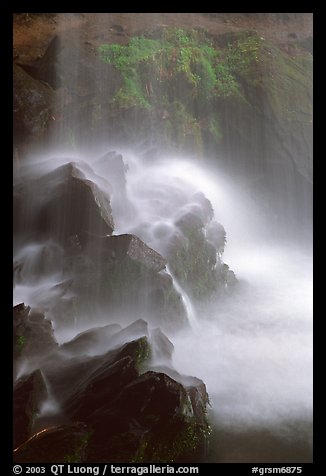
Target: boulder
<point x="127" y="277"/>
<point x="33" y="104"/>
<point x="194" y="255"/>
<point x="152" y="420"/>
<point x="33" y="337"/>
<point x="66" y="205"/>
<point x="131" y="416"/>
<point x="89" y="342"/>
<point x="69" y="377"/>
<point x="107" y="380"/>
<point x="130" y="247"/>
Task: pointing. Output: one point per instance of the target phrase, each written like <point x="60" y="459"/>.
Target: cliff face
<point x="233" y="88"/>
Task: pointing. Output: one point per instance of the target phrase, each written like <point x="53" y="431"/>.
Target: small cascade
<point x="49" y="410"/>
<point x="190" y="310"/>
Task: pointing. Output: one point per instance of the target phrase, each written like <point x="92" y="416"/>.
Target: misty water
<point x="253" y="346"/>
<point x="252" y="343"/>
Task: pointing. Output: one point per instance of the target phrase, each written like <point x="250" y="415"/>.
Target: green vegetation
<point x="20" y="342"/>
<point x="155" y="66"/>
<point x="181" y="439"/>
<point x="180" y="82"/>
<point x="177" y="75"/>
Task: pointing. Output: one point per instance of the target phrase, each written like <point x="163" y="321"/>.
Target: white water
<point x="253" y="348"/>
<point x="191" y="313"/>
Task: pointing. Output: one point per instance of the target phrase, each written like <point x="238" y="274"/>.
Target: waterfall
<point x="179" y="202"/>
<point x="191" y="313"/>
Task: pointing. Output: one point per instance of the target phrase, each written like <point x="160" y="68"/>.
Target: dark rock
<point x="100" y="340"/>
<point x="127" y="277"/>
<point x="33" y="337"/>
<point x="152" y="420"/>
<point x="66" y="204"/>
<point x="194" y="255"/>
<point x="33" y="106"/>
<point x="89" y="341"/>
<point x="69" y="378"/>
<point x="29" y="393"/>
<point x="130" y="247"/>
<point x="130" y="417"/>
<point x="62" y="444"/>
<point x="162" y="347"/>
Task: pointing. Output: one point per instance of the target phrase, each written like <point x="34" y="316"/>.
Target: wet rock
<point x="62" y="444"/>
<point x="29" y="393"/>
<point x="132" y="248"/>
<point x="33" y="336"/>
<point x="127" y="277"/>
<point x="107" y="381"/>
<point x="194" y="256"/>
<point x="216" y="234"/>
<point x="90" y="341"/>
<point x="130" y="416"/>
<point x="153" y="420"/>
<point x="66" y="205"/>
<point x="100" y="340"/>
<point x="69" y="377"/>
<point x="161" y="345"/>
<point x="33" y="106"/>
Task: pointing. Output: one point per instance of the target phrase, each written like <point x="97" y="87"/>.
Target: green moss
<point x="20" y="342"/>
<point x="173" y="446"/>
<point x="245" y="55"/>
<point x="188" y="77"/>
<point x="172" y="72"/>
<point x="285" y="81"/>
<point x="143" y="353"/>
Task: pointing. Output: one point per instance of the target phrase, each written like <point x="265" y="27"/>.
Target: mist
<point x="254" y="345"/>
<point x="163" y="205"/>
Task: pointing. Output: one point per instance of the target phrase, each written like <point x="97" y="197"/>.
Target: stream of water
<point x="253" y="347"/>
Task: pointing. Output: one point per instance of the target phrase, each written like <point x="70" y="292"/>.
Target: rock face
<point x="195" y="258"/>
<point x="72" y="218"/>
<point x="33" y="337"/>
<point x="114" y="411"/>
<point x="62" y="444"/>
<point x="251" y="109"/>
<point x="29" y="393"/>
<point x="34" y="103"/>
<point x="67" y="204"/>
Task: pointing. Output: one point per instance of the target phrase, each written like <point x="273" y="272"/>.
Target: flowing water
<point x="253" y="347"/>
